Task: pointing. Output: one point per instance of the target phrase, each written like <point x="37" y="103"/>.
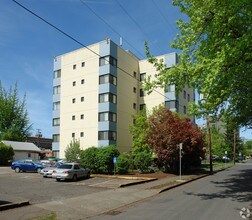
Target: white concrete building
<point x="96" y="91"/>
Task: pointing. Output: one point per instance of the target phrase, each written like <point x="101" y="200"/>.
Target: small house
<point x="23" y="150"/>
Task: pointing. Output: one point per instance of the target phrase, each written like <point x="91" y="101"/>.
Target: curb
<point x="14" y="205"/>
<point x="123" y="177"/>
<point x="181" y="183"/>
<point x="140" y="182"/>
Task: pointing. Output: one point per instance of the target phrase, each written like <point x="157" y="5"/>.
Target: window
<point x="107" y="116"/>
<point x="82" y="64"/>
<point x="108" y="60"/>
<point x="29" y="154"/>
<point x="82" y="81"/>
<point x="184" y="94"/>
<point x="73" y="100"/>
<point x="142" y="77"/>
<point x="142" y="106"/>
<point x="134" y="105"/>
<point x="57" y="74"/>
<point x="74" y="66"/>
<point x="82" y="116"/>
<point x="142" y="93"/>
<point x="82" y="99"/>
<point x="107" y="135"/>
<point x="188" y="97"/>
<point x="184" y="109"/>
<point x="107" y="97"/>
<point x="74" y="83"/>
<point x="107" y="79"/>
<point x="135" y="74"/>
<point x="82" y="134"/>
<point x="56" y="137"/>
<point x="56" y="106"/>
<point x="134" y="89"/>
<point x="73" y="135"/>
<point x="56" y="121"/>
<point x="73" y="117"/>
<point x="56" y="90"/>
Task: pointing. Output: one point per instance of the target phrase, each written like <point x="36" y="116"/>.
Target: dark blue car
<point x="26" y="165"/>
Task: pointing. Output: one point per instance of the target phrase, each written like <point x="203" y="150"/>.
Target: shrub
<point x="123" y="164"/>
<point x="88" y="158"/>
<point x="72" y="152"/>
<point x="6" y="154"/>
<point x="143" y="161"/>
<point x="105" y="157"/>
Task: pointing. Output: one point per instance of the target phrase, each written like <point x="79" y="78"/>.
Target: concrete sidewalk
<point x="122" y="192"/>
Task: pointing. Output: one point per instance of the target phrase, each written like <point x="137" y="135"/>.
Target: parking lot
<point x="36" y="189"/>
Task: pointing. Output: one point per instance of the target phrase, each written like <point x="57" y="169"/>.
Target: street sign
<point x="114" y="159"/>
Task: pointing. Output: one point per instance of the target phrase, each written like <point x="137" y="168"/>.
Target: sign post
<point x="180" y="158"/>
<point x="225" y="158"/>
<point x="114" y="161"/>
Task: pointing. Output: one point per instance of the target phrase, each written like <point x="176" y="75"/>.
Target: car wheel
<point x="38" y="170"/>
<point x="17" y="169"/>
<point x="75" y="178"/>
<point x="58" y="180"/>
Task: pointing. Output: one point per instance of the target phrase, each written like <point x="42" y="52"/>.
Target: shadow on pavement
<point x="238" y="187"/>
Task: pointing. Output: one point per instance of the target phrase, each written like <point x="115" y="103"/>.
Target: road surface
<point x="220" y="196"/>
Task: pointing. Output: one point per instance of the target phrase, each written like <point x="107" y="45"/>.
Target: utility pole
<point x="209" y="145"/>
<point x="38" y="136"/>
<point x="234" y="144"/>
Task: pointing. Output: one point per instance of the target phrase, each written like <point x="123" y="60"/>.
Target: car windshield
<point x="65" y="166"/>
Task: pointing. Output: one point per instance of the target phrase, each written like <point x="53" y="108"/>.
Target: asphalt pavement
<point x="120" y="193"/>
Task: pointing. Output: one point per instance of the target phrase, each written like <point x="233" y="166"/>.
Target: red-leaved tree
<point x="167" y="132"/>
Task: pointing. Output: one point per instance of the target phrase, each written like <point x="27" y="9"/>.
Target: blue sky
<point x="28" y="45"/>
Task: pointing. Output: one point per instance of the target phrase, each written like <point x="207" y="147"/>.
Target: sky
<point x="28" y="45"/>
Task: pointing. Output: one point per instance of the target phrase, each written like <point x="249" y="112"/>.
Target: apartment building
<point x="97" y="89"/>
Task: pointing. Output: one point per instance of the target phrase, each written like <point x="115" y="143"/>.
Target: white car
<point x="48" y="171"/>
<point x="70" y="171"/>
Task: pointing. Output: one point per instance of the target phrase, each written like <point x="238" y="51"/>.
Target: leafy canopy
<point x="216" y="58"/>
<point x="167" y="132"/>
<point x="73" y="151"/>
<point x="14" y="121"/>
<point x="138" y="131"/>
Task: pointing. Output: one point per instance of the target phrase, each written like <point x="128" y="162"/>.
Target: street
<point x="220" y="196"/>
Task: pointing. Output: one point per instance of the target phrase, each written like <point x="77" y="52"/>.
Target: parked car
<point x="27" y="165"/>
<point x="226" y="158"/>
<point x="48" y="170"/>
<point x="70" y="171"/>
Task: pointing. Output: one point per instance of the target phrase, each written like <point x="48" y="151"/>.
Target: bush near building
<point x="6" y="154"/>
<point x="123" y="163"/>
<point x="88" y="158"/>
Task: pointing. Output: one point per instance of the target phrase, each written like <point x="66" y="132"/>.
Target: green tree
<point x="216" y="58"/>
<point x="14" y="121"/>
<point x="143" y="161"/>
<point x="219" y="144"/>
<point x="88" y="158"/>
<point x="105" y="157"/>
<point x="138" y="131"/>
<point x="123" y="163"/>
<point x="73" y="151"/>
<point x="6" y="154"/>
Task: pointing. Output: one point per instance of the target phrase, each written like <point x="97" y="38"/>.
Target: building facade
<point x="97" y="89"/>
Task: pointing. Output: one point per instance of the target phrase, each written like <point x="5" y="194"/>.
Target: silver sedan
<point x="70" y="171"/>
